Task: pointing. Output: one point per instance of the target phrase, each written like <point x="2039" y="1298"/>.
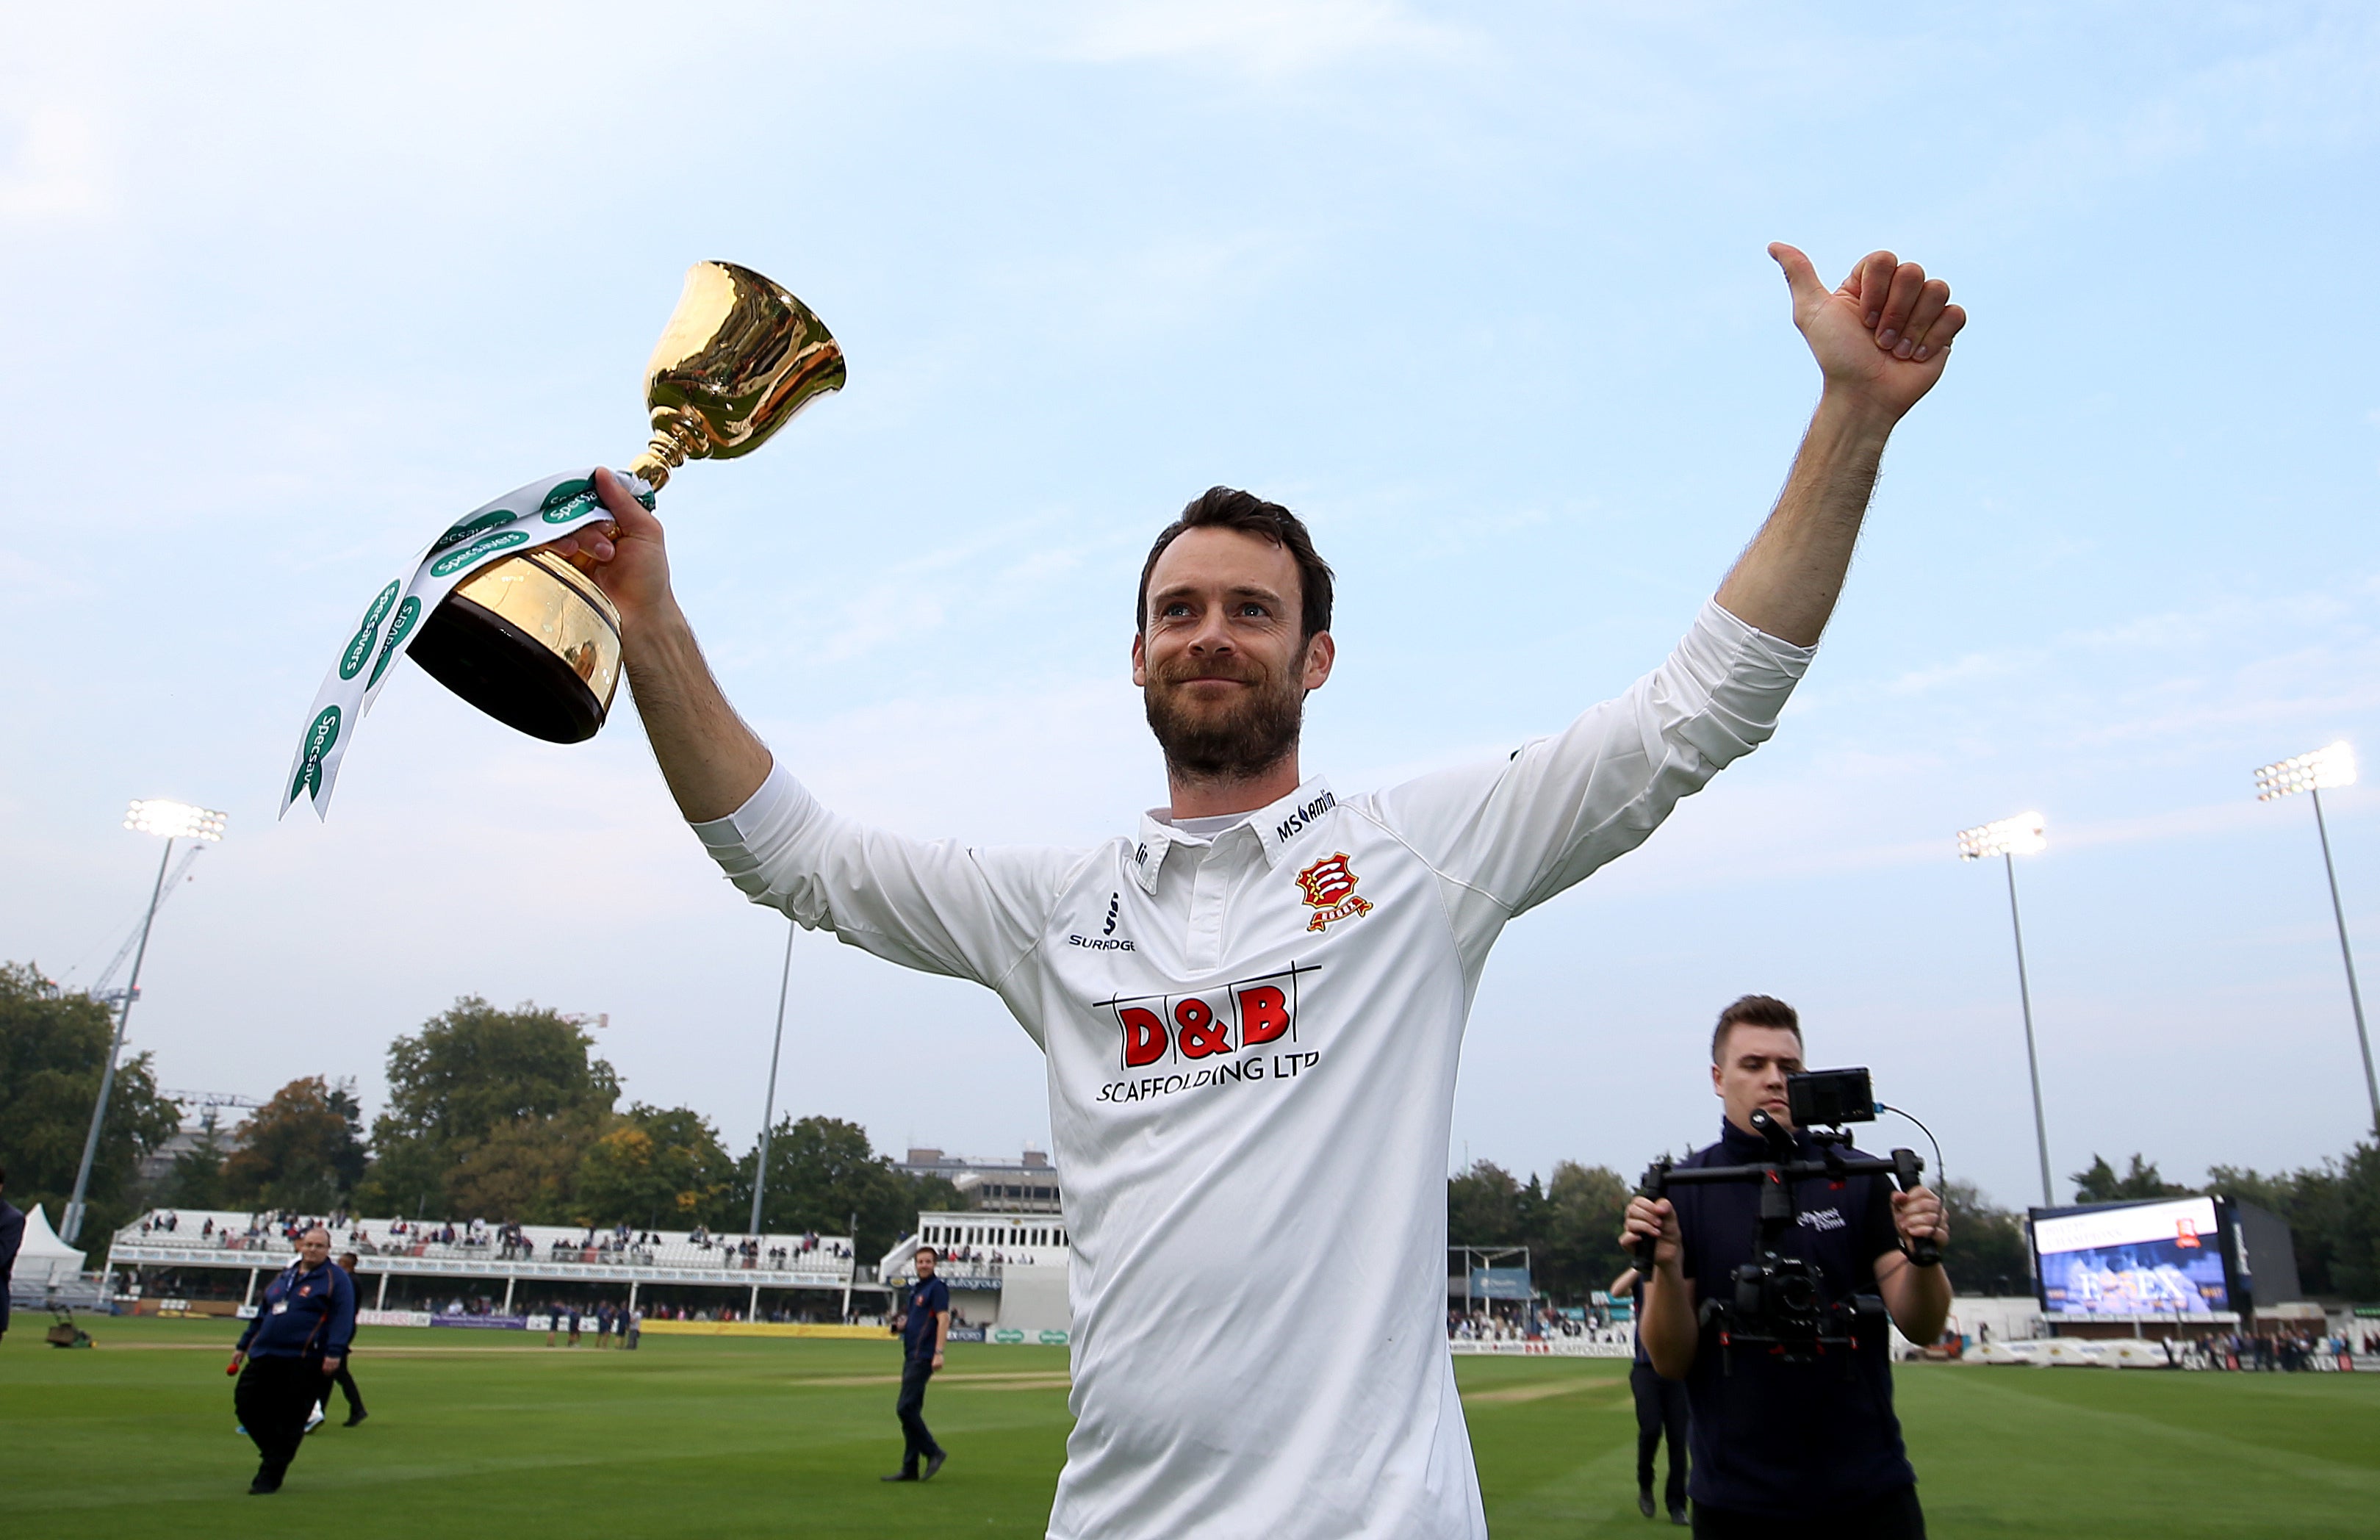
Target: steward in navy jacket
<point x="307" y="1312"/>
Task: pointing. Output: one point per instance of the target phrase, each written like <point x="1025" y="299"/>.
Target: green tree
<point x="490" y="1114"/>
<point x="658" y="1168"/>
<point x="53" y="1051"/>
<point x="2101" y="1184"/>
<point x="525" y="1172"/>
<point x="301" y="1150"/>
<point x="1483" y="1207"/>
<point x="1987" y="1253"/>
<point x="1580" y="1250"/>
<point x="196" y="1179"/>
<point x="821" y="1171"/>
<point x="2333" y="1212"/>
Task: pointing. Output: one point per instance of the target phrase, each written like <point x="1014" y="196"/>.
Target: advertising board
<point x="2156" y="1258"/>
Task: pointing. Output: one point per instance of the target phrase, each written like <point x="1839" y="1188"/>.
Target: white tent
<point x="43" y="1259"/>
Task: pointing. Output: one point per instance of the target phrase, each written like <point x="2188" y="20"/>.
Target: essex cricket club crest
<point x="1329" y="887"/>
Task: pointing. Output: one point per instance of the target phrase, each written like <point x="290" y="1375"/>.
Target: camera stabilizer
<point x="1780" y="1305"/>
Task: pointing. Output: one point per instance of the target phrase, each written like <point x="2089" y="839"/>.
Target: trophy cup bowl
<point x="530" y="639"/>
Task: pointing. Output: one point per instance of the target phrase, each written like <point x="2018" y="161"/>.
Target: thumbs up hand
<point x="1882" y="337"/>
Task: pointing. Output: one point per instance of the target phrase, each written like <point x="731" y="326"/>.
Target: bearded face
<point x="1224" y="663"/>
<point x="1223" y="720"/>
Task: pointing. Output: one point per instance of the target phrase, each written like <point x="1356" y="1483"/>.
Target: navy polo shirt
<point x="917" y="1331"/>
<point x="1772" y="1437"/>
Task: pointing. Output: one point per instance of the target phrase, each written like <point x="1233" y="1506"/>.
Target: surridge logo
<point x="1329" y="889"/>
<point x="1107" y="940"/>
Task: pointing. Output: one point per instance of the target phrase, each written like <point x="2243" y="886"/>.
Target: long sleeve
<point x="935" y="905"/>
<point x="1522" y="829"/>
<point x="342" y="1314"/>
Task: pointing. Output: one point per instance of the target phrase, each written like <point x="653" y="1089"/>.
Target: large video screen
<point x="2160" y="1258"/>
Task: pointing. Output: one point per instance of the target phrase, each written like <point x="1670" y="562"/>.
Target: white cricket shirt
<point x="1251" y="1044"/>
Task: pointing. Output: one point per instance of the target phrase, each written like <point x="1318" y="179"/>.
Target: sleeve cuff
<point x="1724" y="626"/>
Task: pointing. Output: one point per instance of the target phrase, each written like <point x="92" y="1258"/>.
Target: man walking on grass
<point x="925" y="1327"/>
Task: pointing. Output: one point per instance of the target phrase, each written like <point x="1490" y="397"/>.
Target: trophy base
<point x="532" y="642"/>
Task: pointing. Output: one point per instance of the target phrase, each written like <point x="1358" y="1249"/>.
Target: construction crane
<point x="98" y="988"/>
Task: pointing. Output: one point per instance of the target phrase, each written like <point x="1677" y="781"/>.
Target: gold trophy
<point x="530" y="639"/>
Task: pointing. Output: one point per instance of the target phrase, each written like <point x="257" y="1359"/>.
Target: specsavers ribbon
<point x="520" y="520"/>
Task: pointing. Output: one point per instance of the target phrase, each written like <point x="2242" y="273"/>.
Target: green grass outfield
<point x="721" y="1438"/>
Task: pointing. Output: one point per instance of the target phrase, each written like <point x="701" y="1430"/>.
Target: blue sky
<point x="1479" y="291"/>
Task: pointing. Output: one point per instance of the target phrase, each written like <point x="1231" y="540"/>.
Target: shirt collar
<point x="1276" y="826"/>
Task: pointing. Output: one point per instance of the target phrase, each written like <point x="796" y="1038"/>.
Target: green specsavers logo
<point x="318" y="741"/>
<point x="351" y="662"/>
<point x="406" y="614"/>
<point x="455" y="561"/>
<point x="478" y="524"/>
<point x="569" y="499"/>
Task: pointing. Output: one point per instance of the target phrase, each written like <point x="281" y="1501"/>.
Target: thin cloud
<point x="1262" y="37"/>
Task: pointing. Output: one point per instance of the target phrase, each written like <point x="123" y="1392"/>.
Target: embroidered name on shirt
<point x="1299" y="818"/>
<point x="1329" y="889"/>
<point x="1823" y="1218"/>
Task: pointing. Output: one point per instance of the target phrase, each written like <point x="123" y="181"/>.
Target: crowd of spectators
<point x="1544" y="1323"/>
<point x="2281" y="1353"/>
<point x="511" y="1242"/>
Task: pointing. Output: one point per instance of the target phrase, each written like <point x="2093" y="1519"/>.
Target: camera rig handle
<point x="1907" y="1168"/>
<point x="1656" y="1186"/>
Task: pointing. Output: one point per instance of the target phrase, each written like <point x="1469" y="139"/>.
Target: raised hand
<point x="1883" y="336"/>
<point x="624" y="555"/>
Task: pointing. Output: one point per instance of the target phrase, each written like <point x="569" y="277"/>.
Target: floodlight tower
<point x="2008" y="838"/>
<point x="2315" y="773"/>
<point x="769" y="1110"/>
<point x="174" y="820"/>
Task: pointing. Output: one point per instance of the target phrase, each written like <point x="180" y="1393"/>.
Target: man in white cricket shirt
<point x="1252" y="1006"/>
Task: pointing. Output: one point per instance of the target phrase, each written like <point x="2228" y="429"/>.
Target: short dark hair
<point x="1229" y="508"/>
<point x="1753" y="1010"/>
<point x="927" y="1251"/>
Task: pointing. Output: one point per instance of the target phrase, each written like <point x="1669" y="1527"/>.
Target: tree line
<point x="510" y="1115"/>
<point x="501" y="1115"/>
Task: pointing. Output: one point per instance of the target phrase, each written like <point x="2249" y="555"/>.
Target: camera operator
<point x="1783" y="1448"/>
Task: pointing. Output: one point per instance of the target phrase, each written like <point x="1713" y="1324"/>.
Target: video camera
<point x="1780" y="1304"/>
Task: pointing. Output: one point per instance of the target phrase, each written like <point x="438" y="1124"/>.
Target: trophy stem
<point x="671" y="443"/>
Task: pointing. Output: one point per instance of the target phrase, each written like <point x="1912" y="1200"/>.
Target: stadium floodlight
<point x="2326" y="770"/>
<point x="2322" y="770"/>
<point x="173" y="820"/>
<point x="2024" y="834"/>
